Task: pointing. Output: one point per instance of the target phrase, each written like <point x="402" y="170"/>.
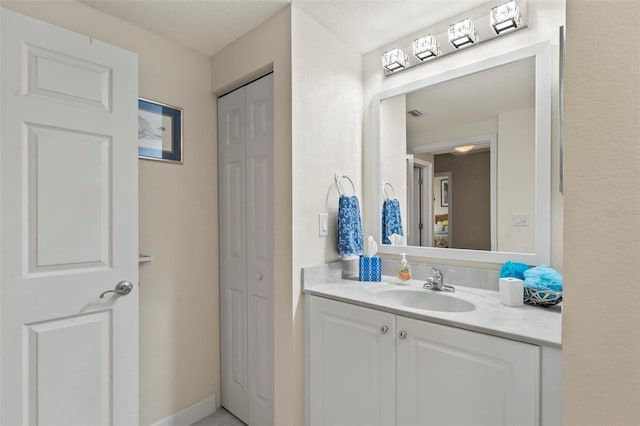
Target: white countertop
<point x="530" y="324"/>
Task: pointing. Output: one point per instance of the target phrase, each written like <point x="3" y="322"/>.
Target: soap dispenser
<point x="404" y="271"/>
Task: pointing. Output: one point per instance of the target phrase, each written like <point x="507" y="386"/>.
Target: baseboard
<point x="190" y="415"/>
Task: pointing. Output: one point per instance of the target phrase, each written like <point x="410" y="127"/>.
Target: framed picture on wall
<point x="444" y="193"/>
<point x="159" y="131"/>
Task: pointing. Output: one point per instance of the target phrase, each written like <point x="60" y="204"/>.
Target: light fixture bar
<point x="505" y="17"/>
<point x="426" y="47"/>
<point x="483" y="23"/>
<point x="462" y="33"/>
<point x="394" y="60"/>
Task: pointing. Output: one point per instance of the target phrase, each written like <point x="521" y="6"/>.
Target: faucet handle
<point x="437" y="274"/>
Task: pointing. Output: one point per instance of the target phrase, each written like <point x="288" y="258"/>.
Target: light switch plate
<point x="521" y="219"/>
<point x="323" y="224"/>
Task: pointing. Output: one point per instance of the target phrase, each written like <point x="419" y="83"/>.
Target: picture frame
<point x="444" y="193"/>
<point x="159" y="131"/>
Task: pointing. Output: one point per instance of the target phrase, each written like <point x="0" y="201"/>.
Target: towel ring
<point x="384" y="195"/>
<point x="338" y="177"/>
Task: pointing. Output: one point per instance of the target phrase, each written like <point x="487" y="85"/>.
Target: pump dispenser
<point x="404" y="271"/>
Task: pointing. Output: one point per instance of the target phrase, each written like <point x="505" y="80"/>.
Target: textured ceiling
<point x="210" y="25"/>
<point x="204" y="25"/>
<point x="370" y="24"/>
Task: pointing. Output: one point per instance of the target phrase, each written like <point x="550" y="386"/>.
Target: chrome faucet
<point x="436" y="281"/>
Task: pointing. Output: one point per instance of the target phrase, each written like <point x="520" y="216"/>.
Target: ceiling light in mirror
<point x="394" y="60"/>
<point x="462" y="33"/>
<point x="466" y="148"/>
<point x="426" y="47"/>
<point x="505" y="17"/>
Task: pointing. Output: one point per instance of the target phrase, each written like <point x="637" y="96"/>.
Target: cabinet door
<point x="448" y="376"/>
<point x="351" y="364"/>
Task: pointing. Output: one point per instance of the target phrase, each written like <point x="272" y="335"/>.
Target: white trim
<point x="411" y="220"/>
<point x="190" y="415"/>
<point x="427" y="199"/>
<point x="489" y="138"/>
<point x="542" y="255"/>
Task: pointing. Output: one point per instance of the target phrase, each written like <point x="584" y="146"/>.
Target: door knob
<point x="259" y="276"/>
<point x="122" y="288"/>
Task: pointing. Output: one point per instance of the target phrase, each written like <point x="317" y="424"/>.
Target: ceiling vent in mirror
<point x="462" y="33"/>
<point x="505" y="17"/>
<point x="483" y="23"/>
<point x="414" y="113"/>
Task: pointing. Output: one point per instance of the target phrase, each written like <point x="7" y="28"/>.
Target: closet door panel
<point x="259" y="164"/>
<point x="233" y="254"/>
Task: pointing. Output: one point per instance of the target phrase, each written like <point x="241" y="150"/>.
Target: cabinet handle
<point x="384" y="329"/>
<point x="402" y="334"/>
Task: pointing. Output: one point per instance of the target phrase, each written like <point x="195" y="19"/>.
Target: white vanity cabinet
<point x="449" y="376"/>
<point x="369" y="367"/>
<point x="352" y="357"/>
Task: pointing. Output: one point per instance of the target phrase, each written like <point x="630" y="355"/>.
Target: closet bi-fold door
<point x="259" y="165"/>
<point x="245" y="123"/>
<point x="233" y="254"/>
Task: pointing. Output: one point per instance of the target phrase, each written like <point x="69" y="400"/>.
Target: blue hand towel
<point x="513" y="270"/>
<point x="391" y="220"/>
<point x="350" y="241"/>
<point x="543" y="278"/>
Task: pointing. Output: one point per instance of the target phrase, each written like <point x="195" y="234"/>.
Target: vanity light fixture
<point x="462" y="33"/>
<point x="426" y="47"/>
<point x="394" y="60"/>
<point x="481" y="24"/>
<point x="505" y="17"/>
<point x="465" y="148"/>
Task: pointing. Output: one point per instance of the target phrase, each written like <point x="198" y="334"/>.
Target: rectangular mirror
<point x="467" y="153"/>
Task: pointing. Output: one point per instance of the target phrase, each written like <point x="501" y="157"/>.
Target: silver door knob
<point x="122" y="288"/>
<point x="259" y="276"/>
<point x="384" y="329"/>
<point x="402" y="334"/>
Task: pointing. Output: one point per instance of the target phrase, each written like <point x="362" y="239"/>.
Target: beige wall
<point x="266" y="47"/>
<point x="327" y="138"/>
<point x="516" y="179"/>
<point x="179" y="331"/>
<point x="470" y="196"/>
<point x="545" y="17"/>
<point x="601" y="314"/>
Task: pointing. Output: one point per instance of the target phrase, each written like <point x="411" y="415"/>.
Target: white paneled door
<point x="245" y="161"/>
<point x="68" y="228"/>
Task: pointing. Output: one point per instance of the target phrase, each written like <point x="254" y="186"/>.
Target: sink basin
<point x="426" y="299"/>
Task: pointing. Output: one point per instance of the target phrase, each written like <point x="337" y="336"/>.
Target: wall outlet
<point x="521" y="219"/>
<point x="323" y="224"/>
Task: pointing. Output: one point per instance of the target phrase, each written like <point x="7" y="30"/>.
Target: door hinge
<point x="420" y="226"/>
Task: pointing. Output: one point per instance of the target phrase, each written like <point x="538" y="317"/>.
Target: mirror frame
<point x="542" y="254"/>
